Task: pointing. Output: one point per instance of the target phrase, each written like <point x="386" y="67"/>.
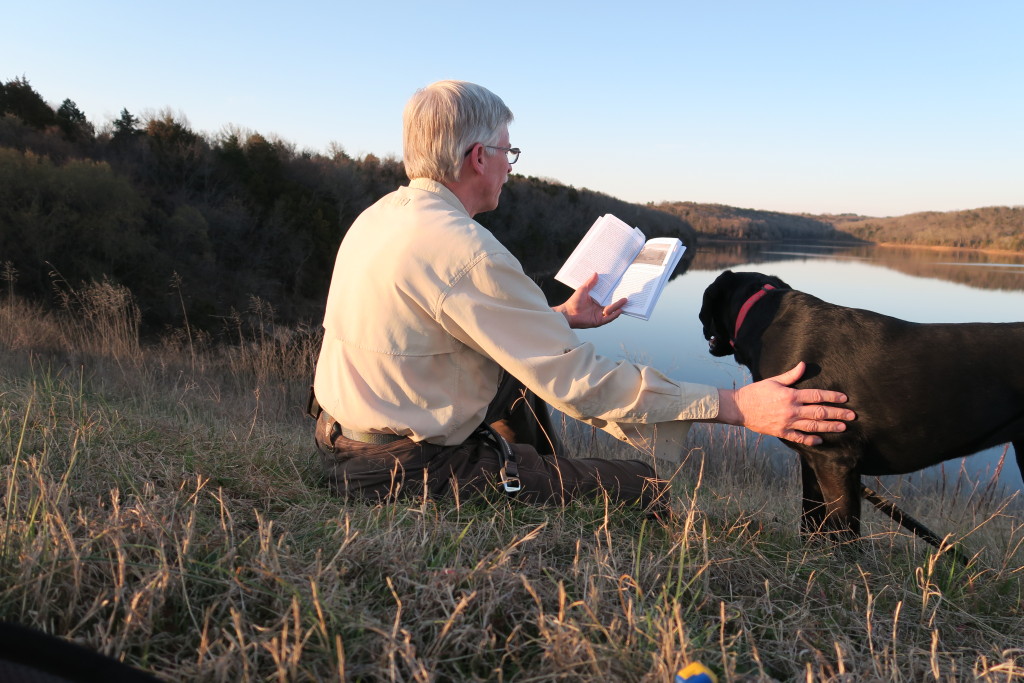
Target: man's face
<point x="496" y="171"/>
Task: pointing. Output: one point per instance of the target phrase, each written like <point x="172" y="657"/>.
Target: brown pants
<point x="405" y="467"/>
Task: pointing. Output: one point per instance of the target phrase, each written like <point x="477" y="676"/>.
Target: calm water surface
<point x="914" y="284"/>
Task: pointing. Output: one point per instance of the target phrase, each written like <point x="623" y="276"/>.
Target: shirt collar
<point x="438" y="188"/>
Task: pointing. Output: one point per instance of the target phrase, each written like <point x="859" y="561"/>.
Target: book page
<point x="607" y="249"/>
<point x="644" y="280"/>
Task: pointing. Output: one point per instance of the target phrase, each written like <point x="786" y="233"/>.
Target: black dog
<point x="923" y="393"/>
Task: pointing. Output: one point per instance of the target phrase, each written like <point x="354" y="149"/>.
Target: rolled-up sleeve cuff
<point x="699" y="401"/>
<point x="666" y="440"/>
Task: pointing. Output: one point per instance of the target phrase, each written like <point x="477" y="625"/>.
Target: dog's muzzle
<point x="719" y="347"/>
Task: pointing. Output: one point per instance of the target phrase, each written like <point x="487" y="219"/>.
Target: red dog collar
<point x="745" y="308"/>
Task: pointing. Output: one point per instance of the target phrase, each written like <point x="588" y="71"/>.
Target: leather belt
<point x="369" y="437"/>
<point x="314" y="410"/>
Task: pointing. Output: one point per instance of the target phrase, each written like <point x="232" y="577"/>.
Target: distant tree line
<point x="993" y="227"/>
<point x="201" y="226"/>
<point x="717" y="221"/>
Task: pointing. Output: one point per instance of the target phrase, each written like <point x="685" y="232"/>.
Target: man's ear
<point x="475" y="157"/>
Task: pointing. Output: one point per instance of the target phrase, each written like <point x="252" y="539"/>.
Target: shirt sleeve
<point x="497" y="310"/>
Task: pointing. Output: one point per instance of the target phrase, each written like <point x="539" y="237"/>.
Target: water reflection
<point x="918" y="285"/>
<point x="983" y="270"/>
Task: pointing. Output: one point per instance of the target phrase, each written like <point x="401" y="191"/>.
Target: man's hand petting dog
<point x="774" y="408"/>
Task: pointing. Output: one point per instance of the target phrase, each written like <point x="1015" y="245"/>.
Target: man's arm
<point x="768" y="407"/>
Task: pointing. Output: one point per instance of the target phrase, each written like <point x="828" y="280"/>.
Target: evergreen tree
<point x="18" y="98"/>
<point x="73" y="122"/>
<point x="126" y="127"/>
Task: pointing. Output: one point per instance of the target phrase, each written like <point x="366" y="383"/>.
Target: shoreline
<point x="943" y="247"/>
<point x="888" y="245"/>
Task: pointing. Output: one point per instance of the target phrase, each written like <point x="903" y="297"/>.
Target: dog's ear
<point x="714" y="314"/>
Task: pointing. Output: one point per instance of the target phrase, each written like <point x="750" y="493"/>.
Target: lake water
<point x="914" y="284"/>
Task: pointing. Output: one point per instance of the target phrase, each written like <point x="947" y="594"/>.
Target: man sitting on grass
<point x="440" y="355"/>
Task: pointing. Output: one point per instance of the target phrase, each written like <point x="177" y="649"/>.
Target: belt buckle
<point x="509" y="471"/>
<point x="510" y="480"/>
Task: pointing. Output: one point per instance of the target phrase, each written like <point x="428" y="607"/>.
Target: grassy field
<point x="162" y="504"/>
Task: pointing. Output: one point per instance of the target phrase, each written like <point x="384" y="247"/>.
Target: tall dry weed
<point x="100" y="318"/>
<point x="270" y="359"/>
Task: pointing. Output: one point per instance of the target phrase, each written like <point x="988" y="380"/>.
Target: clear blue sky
<point x="878" y="108"/>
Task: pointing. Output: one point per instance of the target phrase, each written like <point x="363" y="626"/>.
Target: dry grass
<point x="162" y="505"/>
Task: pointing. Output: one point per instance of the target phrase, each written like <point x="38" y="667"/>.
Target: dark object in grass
<point x="31" y="656"/>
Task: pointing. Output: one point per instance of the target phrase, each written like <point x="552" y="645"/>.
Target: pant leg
<point x="549" y="479"/>
<point x="403" y="468"/>
<point x="524" y="420"/>
<point x="359" y="470"/>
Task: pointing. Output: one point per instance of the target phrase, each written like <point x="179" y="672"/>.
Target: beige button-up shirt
<point x="426" y="307"/>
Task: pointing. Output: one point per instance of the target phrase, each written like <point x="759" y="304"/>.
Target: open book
<point x="627" y="264"/>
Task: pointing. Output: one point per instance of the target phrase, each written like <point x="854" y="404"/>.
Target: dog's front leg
<point x="812" y="515"/>
<point x="838" y="486"/>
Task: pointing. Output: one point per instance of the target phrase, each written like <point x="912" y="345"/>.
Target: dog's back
<point x="923" y="393"/>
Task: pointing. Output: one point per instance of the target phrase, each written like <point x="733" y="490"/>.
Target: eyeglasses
<point x="511" y="153"/>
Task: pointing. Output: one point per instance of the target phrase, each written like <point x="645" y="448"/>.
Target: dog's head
<point x="722" y="302"/>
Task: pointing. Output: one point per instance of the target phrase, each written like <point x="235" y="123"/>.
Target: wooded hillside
<point x="718" y="221"/>
<point x="213" y="226"/>
<point x="993" y="227"/>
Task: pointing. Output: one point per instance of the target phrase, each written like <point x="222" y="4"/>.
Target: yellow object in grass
<point x="695" y="672"/>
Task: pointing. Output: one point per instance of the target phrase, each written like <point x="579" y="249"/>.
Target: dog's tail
<point x="911" y="524"/>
